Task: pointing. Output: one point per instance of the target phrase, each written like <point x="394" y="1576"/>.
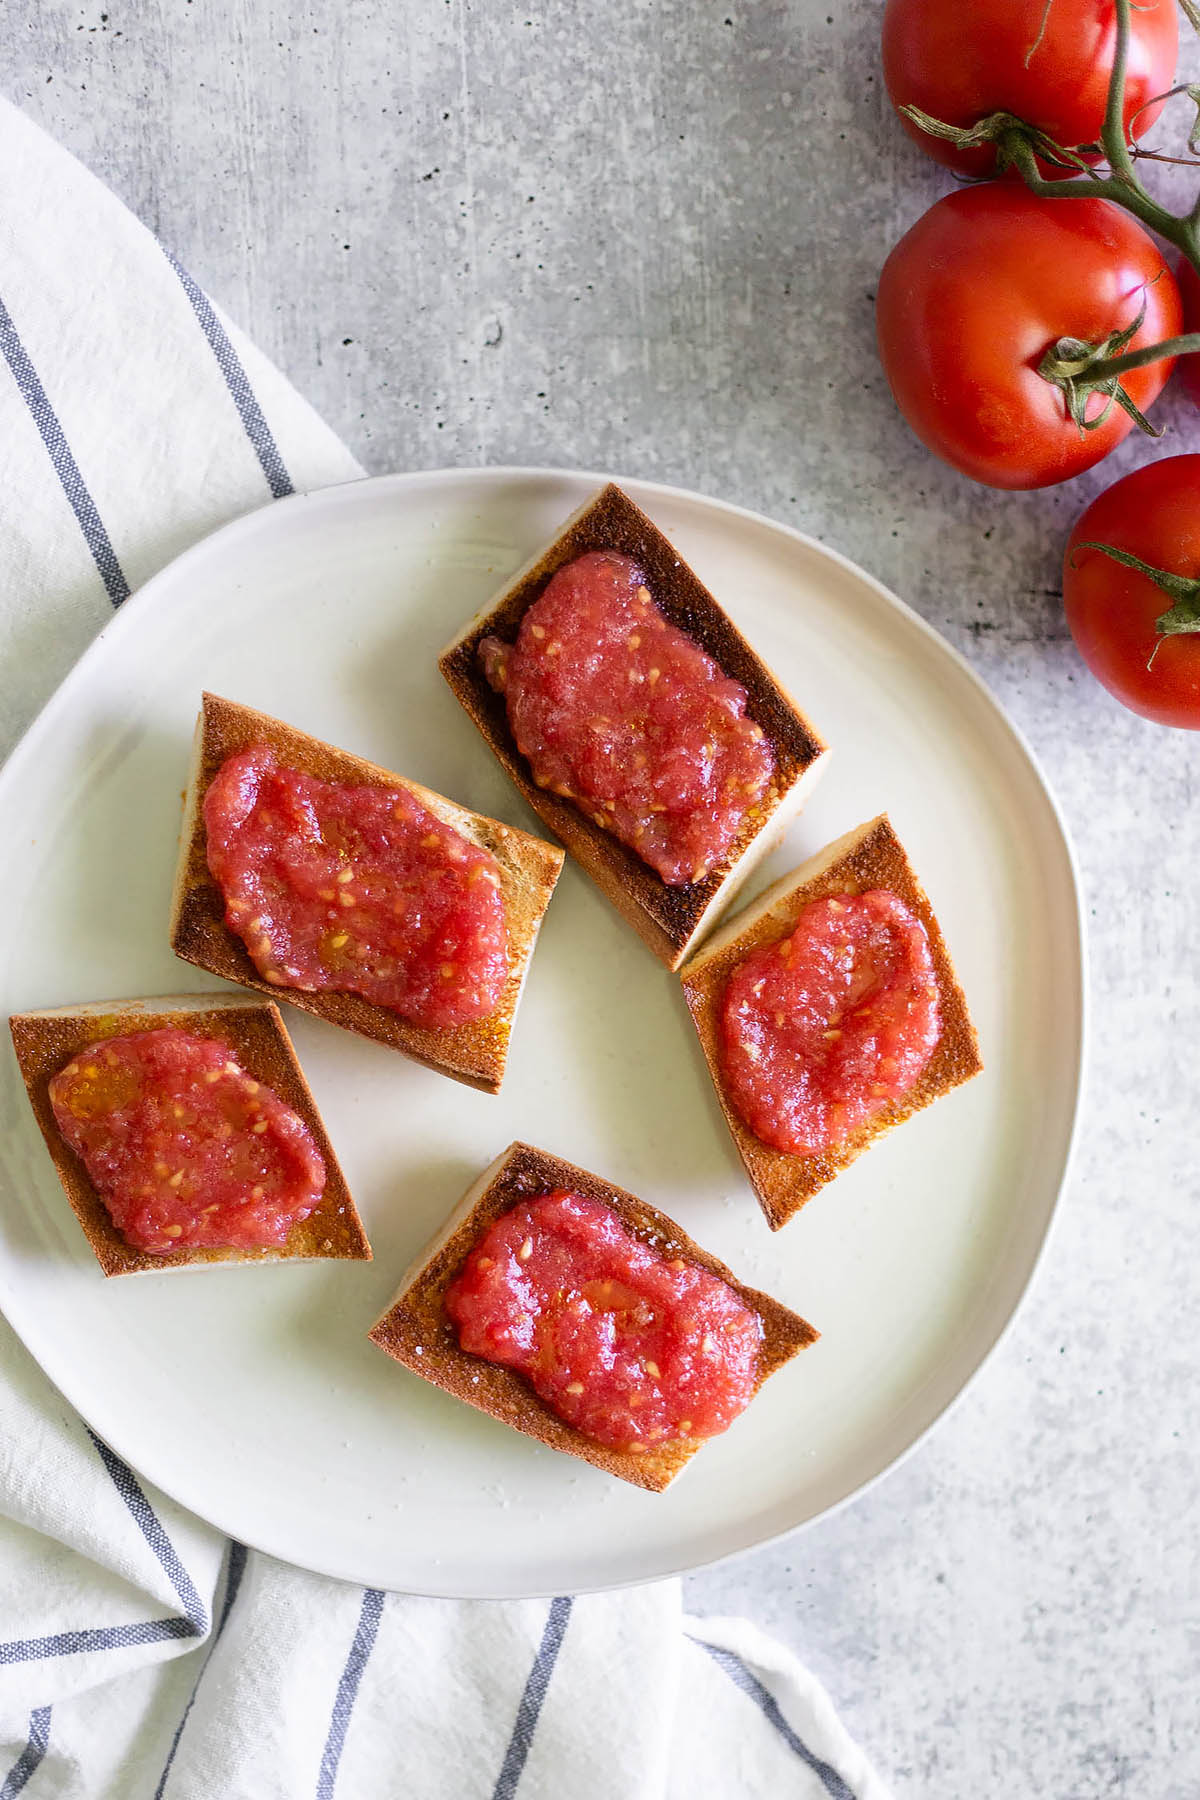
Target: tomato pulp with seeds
<point x="632" y="1348"/>
<point x="186" y="1150"/>
<point x="356" y="890"/>
<point x="625" y="715"/>
<point x="820" y="1031"/>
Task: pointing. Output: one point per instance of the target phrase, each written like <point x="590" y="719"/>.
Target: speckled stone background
<point x="644" y="235"/>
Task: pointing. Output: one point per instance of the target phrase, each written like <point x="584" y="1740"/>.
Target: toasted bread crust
<point x="46" y="1041"/>
<point x="416" y="1331"/>
<point x="474" y="1053"/>
<point x="870" y="857"/>
<point x="669" y="919"/>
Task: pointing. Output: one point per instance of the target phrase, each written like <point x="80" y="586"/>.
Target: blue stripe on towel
<point x="148" y="1522"/>
<point x="65" y="466"/>
<point x="238" y="383"/>
<point x="740" y="1675"/>
<point x="31" y="1755"/>
<point x="343" y="1705"/>
<point x="107" y="1637"/>
<point x="233" y="1581"/>
<point x="531" y="1700"/>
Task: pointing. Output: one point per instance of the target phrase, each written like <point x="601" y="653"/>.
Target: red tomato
<point x="974" y="295"/>
<point x="960" y="60"/>
<point x="1189" y="366"/>
<point x="1154" y="514"/>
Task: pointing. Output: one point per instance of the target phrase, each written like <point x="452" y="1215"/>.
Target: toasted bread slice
<point x="416" y="1331"/>
<point x="869" y="857"/>
<point x="474" y="1053"/>
<point x="46" y="1041"/>
<point x="671" y="920"/>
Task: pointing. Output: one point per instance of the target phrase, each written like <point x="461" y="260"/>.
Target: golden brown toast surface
<point x="474" y="1053"/>
<point x="254" y="1031"/>
<point x="669" y="919"/>
<point x="416" y="1331"/>
<point x="869" y="857"/>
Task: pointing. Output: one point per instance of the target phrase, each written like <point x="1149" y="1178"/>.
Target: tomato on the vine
<point x="1152" y="515"/>
<point x="1189" y="293"/>
<point x="975" y="294"/>
<point x="1047" y="61"/>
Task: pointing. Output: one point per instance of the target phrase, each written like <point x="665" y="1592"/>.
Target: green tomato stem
<point x="1021" y="146"/>
<point x="1108" y="366"/>
<point x="1180" y="619"/>
<point x="1082" y="370"/>
<point x="1112" y="138"/>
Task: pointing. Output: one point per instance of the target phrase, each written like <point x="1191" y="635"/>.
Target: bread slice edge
<point x="671" y="921"/>
<point x="255" y="1032"/>
<point x="475" y="1053"/>
<point x="784" y="1183"/>
<point x="415" y="1331"/>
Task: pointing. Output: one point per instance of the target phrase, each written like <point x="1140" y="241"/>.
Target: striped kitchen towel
<point x="141" y="1654"/>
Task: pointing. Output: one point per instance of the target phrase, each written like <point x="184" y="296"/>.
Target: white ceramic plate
<point x="252" y="1395"/>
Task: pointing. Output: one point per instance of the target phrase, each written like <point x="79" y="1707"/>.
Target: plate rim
<point x="252" y="520"/>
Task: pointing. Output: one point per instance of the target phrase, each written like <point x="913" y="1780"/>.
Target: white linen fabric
<point x="142" y="1655"/>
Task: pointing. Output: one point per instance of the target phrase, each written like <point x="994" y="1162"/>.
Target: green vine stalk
<point x="1082" y="369"/>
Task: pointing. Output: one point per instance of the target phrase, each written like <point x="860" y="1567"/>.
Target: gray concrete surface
<point x="645" y="235"/>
